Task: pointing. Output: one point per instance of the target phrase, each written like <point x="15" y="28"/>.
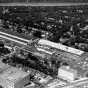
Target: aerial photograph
<point x="43" y="43"/>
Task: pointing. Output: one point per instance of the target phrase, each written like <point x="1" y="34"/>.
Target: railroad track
<point x="14" y="38"/>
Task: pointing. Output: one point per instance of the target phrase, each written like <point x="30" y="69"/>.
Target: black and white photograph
<point x="43" y="43"/>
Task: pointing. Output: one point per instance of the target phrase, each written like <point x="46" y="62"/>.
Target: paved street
<point x="42" y="4"/>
